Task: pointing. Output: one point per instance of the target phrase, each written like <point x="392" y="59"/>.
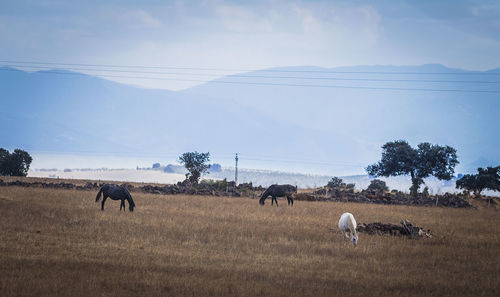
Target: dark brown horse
<point x="115" y="192"/>
<point x="279" y="191"/>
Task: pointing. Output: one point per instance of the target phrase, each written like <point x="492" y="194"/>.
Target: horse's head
<point x="261" y="201"/>
<point x="354" y="239"/>
<point x="131" y="205"/>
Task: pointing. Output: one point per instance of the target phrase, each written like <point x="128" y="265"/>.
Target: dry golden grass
<point x="59" y="243"/>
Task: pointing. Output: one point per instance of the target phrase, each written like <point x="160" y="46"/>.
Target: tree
<point x="399" y="158"/>
<point x="378" y="185"/>
<point x="486" y="178"/>
<point x="15" y="164"/>
<point x="195" y="163"/>
<point x="336" y="183"/>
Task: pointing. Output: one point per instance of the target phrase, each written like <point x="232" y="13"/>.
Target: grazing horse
<point x="279" y="191"/>
<point x="347" y="223"/>
<point x="116" y="193"/>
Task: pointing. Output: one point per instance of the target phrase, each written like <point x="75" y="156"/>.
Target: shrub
<point x="378" y="185"/>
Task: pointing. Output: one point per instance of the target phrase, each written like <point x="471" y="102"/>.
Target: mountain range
<point x="274" y="118"/>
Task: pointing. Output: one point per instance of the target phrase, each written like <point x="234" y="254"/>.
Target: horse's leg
<point x="276" y="200"/>
<point x="122" y="204"/>
<point x="343" y="235"/>
<point x="103" y="200"/>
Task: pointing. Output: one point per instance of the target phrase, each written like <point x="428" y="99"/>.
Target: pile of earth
<point x="405" y="228"/>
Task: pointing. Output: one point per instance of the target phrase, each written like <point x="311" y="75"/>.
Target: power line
<point x="280" y="84"/>
<point x="266" y="157"/>
<point x="248" y="69"/>
<point x="306" y="163"/>
<point x="176" y="155"/>
<point x="262" y="76"/>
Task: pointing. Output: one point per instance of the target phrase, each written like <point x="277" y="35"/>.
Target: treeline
<point x="398" y="158"/>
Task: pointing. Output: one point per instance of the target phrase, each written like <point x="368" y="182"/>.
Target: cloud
<point x="139" y="18"/>
<point x="242" y="19"/>
<point x="253" y="34"/>
<point x="309" y="22"/>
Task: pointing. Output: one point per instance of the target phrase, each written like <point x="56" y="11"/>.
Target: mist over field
<point x="257" y="177"/>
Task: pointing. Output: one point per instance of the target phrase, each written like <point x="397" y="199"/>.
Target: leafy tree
<point x="195" y="163"/>
<point x="378" y="185"/>
<point x="336" y="183"/>
<point x="399" y="158"/>
<point x="486" y="178"/>
<point x="15" y="164"/>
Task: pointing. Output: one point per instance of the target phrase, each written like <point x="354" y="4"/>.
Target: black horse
<point x="116" y="193"/>
<point x="279" y="191"/>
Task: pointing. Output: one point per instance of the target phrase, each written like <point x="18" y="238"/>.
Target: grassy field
<point x="59" y="243"/>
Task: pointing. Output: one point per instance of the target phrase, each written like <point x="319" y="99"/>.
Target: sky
<point x="243" y="35"/>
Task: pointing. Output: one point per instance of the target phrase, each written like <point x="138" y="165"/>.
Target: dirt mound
<point x="405" y="228"/>
<point x="304" y="197"/>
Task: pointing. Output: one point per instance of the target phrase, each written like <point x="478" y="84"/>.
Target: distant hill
<point x="331" y="130"/>
<point x="363" y="119"/>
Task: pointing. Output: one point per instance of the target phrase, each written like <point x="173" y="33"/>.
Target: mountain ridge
<point x="83" y="112"/>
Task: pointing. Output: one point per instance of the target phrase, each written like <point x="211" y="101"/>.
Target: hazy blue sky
<point x="251" y="34"/>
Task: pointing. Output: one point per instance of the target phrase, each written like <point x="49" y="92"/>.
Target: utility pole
<point x="236" y="170"/>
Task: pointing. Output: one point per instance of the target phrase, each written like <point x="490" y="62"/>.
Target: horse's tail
<point x="98" y="195"/>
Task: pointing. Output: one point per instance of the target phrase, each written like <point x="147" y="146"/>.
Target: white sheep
<point x="348" y="223"/>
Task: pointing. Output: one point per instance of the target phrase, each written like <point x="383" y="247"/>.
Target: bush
<point x="336" y="183"/>
<point x="425" y="192"/>
<point x="378" y="186"/>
